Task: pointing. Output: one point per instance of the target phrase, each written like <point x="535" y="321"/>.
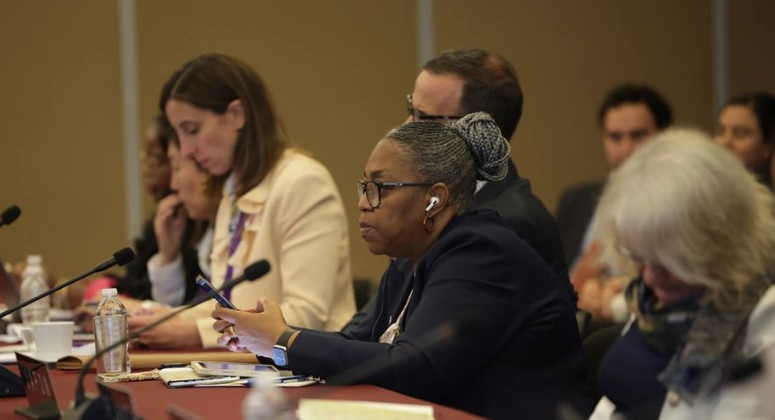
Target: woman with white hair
<point x="697" y="232"/>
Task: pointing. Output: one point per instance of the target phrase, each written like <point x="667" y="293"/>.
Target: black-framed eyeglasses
<point x="373" y="189"/>
<point x="419" y="116"/>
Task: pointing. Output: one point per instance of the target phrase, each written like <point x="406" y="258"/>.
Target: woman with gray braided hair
<point x="482" y="324"/>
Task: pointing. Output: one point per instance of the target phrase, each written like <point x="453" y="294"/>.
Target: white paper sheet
<point x="312" y="409"/>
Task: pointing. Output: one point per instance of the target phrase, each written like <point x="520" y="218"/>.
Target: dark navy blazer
<point x="520" y="359"/>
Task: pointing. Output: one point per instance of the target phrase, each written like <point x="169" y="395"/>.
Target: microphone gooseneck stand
<point x="85" y="408"/>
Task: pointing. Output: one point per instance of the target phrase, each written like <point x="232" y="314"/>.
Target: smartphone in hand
<point x="214" y="293"/>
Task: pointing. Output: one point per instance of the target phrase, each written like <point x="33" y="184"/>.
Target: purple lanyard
<point x="236" y="237"/>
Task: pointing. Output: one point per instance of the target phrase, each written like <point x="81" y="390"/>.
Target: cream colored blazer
<point x="296" y="221"/>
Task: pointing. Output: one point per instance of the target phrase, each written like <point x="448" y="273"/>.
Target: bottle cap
<point x="109" y="292"/>
<point x="34" y="259"/>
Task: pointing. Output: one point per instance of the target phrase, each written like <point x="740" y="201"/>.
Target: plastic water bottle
<point x="265" y="401"/>
<point x="110" y="326"/>
<point x="33" y="284"/>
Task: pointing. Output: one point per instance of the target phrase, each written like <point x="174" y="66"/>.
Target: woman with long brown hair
<point x="278" y="204"/>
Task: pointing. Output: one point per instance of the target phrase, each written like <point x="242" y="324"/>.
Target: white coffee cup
<point x="48" y="341"/>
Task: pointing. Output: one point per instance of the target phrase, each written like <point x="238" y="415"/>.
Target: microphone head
<point x="10" y="215"/>
<point x="256" y="270"/>
<point x="123" y="256"/>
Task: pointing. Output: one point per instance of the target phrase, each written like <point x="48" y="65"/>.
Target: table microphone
<point x="11" y="383"/>
<point x="85" y="408"/>
<point x="121" y="258"/>
<point x="10" y="215"/>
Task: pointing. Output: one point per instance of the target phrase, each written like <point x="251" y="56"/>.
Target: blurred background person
<point x="183" y="226"/>
<point x="629" y="116"/>
<point x="278" y="204"/>
<point x="746" y="126"/>
<point x="697" y="230"/>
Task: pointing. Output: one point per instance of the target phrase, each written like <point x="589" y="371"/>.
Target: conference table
<point x="153" y="398"/>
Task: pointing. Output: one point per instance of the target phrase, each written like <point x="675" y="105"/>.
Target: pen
<point x="294" y="378"/>
<point x="172" y="365"/>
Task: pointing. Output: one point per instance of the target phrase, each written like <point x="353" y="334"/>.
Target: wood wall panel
<point x="338" y="71"/>
<point x="60" y="149"/>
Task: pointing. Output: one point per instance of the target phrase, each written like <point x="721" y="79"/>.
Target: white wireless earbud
<point x="434" y="201"/>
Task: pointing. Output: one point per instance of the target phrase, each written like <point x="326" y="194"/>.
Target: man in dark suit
<point x="629" y="115"/>
<point x="460" y="82"/>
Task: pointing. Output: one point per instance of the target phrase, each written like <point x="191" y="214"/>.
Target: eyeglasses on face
<point x="419" y="116"/>
<point x="373" y="189"/>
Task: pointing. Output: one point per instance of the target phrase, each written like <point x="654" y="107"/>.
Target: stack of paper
<point x="310" y="409"/>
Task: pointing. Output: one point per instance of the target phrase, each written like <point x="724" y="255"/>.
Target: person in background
<point x="701" y="344"/>
<point x="629" y="116"/>
<point x="746" y="126"/>
<point x="183" y="225"/>
<point x="463" y="81"/>
<point x="482" y="324"/>
<point x="278" y="204"/>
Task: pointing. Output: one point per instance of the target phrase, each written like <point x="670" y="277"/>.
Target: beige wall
<point x="751" y="38"/>
<point x="60" y="145"/>
<point x="338" y="70"/>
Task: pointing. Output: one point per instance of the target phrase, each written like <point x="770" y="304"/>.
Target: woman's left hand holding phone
<point x="254" y="330"/>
